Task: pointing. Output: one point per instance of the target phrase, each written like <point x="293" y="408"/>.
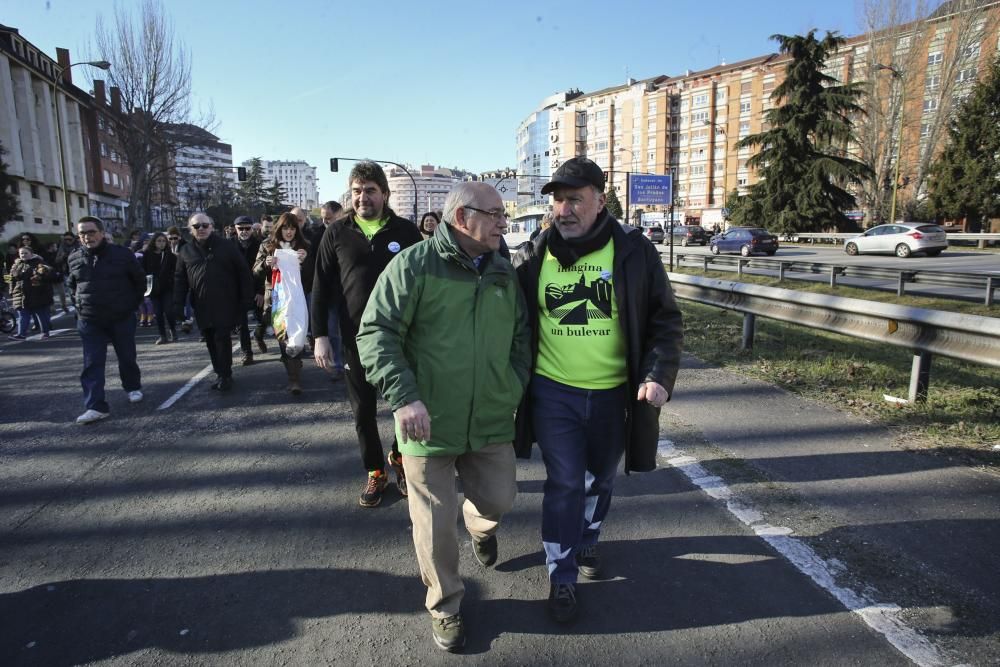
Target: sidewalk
<point x="924" y="530"/>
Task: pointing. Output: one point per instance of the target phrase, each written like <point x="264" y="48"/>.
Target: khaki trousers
<point x="489" y="485"/>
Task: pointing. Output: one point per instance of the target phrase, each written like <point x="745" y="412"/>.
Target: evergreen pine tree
<point x="965" y="178"/>
<point x="251" y="192"/>
<point x="9" y="205"/>
<point x="614" y="206"/>
<point x="275" y="196"/>
<point x="802" y="161"/>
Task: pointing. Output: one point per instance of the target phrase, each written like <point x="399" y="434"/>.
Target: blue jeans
<point x="581" y="433"/>
<point x="95" y="337"/>
<point x="24" y="320"/>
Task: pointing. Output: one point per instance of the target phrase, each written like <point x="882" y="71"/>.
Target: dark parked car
<point x="745" y="240"/>
<point x="690" y="234"/>
<point x="654" y="233"/>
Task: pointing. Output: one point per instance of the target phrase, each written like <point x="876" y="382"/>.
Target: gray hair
<point x="463" y="194"/>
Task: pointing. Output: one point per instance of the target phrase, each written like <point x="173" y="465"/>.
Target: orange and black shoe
<point x="371" y="496"/>
<point x="396" y="461"/>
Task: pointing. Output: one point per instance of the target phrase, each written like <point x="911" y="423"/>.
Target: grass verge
<point x="961" y="417"/>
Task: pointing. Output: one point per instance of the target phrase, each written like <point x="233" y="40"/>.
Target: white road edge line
<point x="189" y="385"/>
<point x="881" y="617"/>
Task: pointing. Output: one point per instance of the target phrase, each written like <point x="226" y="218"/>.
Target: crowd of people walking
<point x="572" y="344"/>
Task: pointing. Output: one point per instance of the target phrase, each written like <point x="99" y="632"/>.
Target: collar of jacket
<point x="387" y="213"/>
<point x="446" y="246"/>
<point x="625" y="239"/>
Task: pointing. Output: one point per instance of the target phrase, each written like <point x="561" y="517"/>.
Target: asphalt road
<point x="955" y="259"/>
<point x="226" y="530"/>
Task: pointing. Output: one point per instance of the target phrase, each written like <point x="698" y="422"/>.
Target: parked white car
<point x="900" y="238"/>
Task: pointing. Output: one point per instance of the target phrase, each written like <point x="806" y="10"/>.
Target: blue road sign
<point x="650" y="189"/>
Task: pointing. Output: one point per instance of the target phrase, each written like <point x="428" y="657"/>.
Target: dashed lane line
<point x="881" y="617"/>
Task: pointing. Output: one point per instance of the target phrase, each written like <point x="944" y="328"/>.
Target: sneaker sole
<point x="589" y="572"/>
<point x="454" y="648"/>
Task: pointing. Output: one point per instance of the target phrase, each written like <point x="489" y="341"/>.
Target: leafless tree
<point x="153" y="72"/>
<point x="916" y="60"/>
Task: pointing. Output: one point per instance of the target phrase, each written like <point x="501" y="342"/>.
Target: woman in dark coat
<point x="159" y="262"/>
<point x="286" y="235"/>
<point x="31" y="292"/>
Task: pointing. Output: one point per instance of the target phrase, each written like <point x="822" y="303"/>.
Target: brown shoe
<point x="371" y="496"/>
<point x="396" y="462"/>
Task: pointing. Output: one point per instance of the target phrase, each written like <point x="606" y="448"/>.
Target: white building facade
<point x="296" y="177"/>
<point x="200" y="168"/>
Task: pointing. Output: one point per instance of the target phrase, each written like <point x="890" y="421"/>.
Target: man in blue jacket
<point x="107" y="285"/>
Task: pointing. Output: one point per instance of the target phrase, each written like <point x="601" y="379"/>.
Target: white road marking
<point x="189" y="385"/>
<point x="881" y="617"/>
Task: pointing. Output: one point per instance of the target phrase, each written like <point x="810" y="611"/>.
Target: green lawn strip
<point x="961" y="417"/>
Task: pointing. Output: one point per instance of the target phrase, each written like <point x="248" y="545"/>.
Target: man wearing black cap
<point x="606" y="344"/>
<point x="248" y="245"/>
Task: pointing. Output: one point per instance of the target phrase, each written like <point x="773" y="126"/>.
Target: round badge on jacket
<point x="605" y="275"/>
<point x="393" y="246"/>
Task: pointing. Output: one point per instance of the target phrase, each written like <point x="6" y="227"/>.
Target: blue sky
<point x="443" y="83"/>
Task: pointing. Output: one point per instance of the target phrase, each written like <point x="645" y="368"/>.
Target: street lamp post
<point x="334" y="166"/>
<point x="898" y="75"/>
<point x="100" y="64"/>
<point x="628" y="181"/>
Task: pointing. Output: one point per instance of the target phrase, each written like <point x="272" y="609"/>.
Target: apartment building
<point x="429" y="187"/>
<point x="201" y="167"/>
<point x="109" y="175"/>
<point x="31" y="91"/>
<point x="296" y="177"/>
<point x="688" y="125"/>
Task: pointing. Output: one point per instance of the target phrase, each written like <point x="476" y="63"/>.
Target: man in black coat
<point x="606" y="340"/>
<point x="354" y="251"/>
<point x="248" y="244"/>
<point x="107" y="285"/>
<point x="221" y="287"/>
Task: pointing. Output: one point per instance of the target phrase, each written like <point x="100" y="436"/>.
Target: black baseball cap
<point x="576" y="172"/>
<point x="243" y="220"/>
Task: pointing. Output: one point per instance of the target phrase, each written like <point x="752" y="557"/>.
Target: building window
<point x="930" y="105"/>
<point x="925" y="130"/>
<point x="745" y="107"/>
<point x="746" y="87"/>
<point x="55" y="223"/>
<point x="79" y="202"/>
<point x="934" y="58"/>
<point x="34" y="192"/>
<point x="104" y="149"/>
<point x="107" y="177"/>
<point x="700" y="100"/>
<point x="744" y="127"/>
<point x="933" y="82"/>
<point x="15" y="189"/>
<point x="967" y="74"/>
<point x="971" y="52"/>
<point x="38" y="221"/>
<point x="699" y="117"/>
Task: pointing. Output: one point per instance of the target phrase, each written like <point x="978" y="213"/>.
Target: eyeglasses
<point x="498" y="216"/>
<point x="244" y="229"/>
<point x="200" y="225"/>
<point x="173" y="238"/>
<point x="89" y="232"/>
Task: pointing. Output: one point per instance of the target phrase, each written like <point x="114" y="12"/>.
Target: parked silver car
<point x="901" y="238"/>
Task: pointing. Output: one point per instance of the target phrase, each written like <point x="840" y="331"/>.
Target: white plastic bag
<point x="289" y="314"/>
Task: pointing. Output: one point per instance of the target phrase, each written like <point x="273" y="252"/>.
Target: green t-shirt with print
<point x="580" y="339"/>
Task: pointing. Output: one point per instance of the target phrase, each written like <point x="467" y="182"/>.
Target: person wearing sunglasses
<point x="107" y="285"/>
<point x="220" y="285"/>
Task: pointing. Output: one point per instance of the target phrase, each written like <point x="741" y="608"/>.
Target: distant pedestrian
<point x="107" y="285"/>
<point x="331" y="211"/>
<point x="220" y="284"/>
<point x="159" y="265"/>
<point x="31" y="282"/>
<point x="287" y="235"/>
<point x="445" y="339"/>
<point x="354" y="252"/>
<point x="67" y="247"/>
<point x="607" y="345"/>
<point x="429" y="221"/>
<point x="249" y="245"/>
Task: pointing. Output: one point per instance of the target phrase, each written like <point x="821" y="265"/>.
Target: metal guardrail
<point x="926" y="332"/>
<point x="984" y="281"/>
<point x="839" y="237"/>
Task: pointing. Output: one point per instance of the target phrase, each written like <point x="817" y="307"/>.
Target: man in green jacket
<point x="445" y="339"/>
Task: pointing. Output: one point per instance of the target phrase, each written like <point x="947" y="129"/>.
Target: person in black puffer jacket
<point x="107" y="285"/>
<point x="160" y="263"/>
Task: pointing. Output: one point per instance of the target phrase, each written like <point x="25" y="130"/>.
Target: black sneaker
<point x="485" y="550"/>
<point x="396" y="463"/>
<point x="562" y="602"/>
<point x="449" y="633"/>
<point x="371" y="496"/>
<point x="223" y="384"/>
<point x="247" y="358"/>
<point x="588" y="562"/>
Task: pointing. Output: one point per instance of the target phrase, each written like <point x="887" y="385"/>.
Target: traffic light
<point x="333" y="164"/>
<point x="241" y="173"/>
